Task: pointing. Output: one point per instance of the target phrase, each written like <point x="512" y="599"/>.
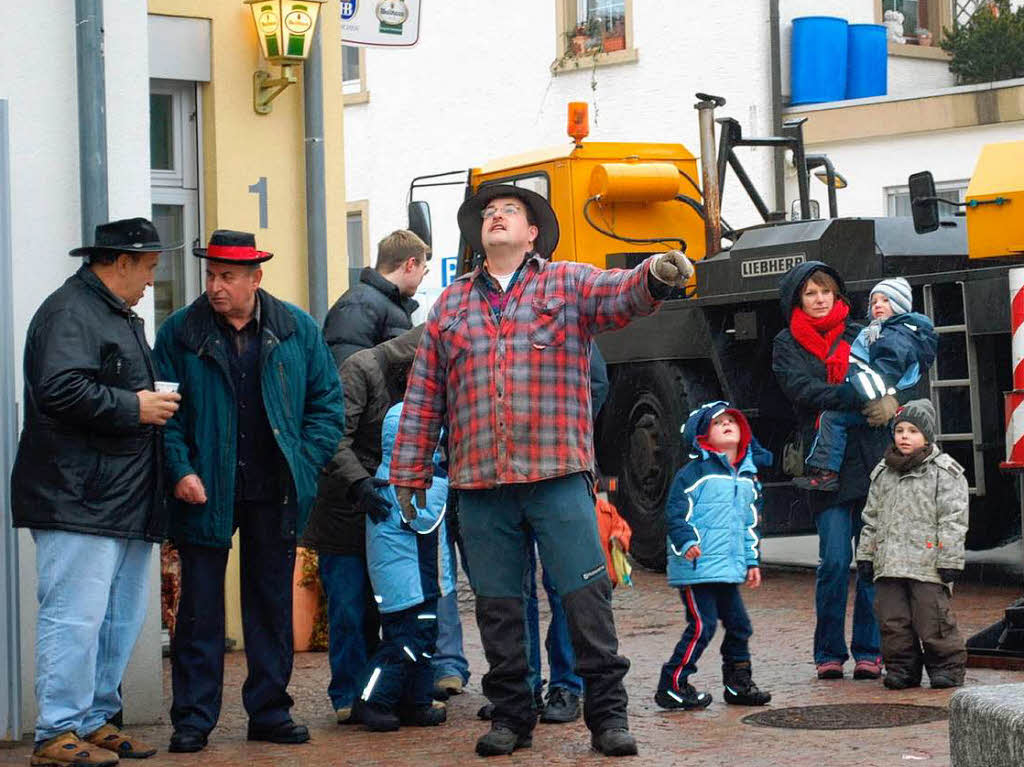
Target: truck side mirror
<point x="924" y="206"/>
<point x="419" y="219"/>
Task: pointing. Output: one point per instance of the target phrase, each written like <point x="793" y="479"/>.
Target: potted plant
<point x="989" y="47"/>
<point x="579" y="40"/>
<point x="615" y="39"/>
<point x="924" y="36"/>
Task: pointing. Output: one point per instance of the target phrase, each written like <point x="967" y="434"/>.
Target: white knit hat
<point x="897" y="290"/>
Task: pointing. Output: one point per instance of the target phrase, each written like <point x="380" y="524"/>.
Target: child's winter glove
<point x="369" y="501"/>
<point x="866" y="570"/>
<point x="949" y="575"/>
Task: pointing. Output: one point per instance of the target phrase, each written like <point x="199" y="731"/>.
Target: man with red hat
<point x="263" y="414"/>
<point x="505" y="362"/>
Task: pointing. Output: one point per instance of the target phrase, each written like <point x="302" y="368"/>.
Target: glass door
<point x="178" y="279"/>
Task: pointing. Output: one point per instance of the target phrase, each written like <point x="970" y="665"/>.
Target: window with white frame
<point x="357" y="238"/>
<point x="597" y="30"/>
<point x="898" y="197"/>
<point x="353" y="74"/>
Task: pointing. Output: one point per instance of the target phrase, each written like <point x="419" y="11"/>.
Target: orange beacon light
<point x="578" y="126"/>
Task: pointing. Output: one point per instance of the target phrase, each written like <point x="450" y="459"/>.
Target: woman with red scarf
<point x="810" y="358"/>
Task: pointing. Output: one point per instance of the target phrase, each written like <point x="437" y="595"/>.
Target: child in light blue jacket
<point x="410" y="567"/>
<point x="712" y="513"/>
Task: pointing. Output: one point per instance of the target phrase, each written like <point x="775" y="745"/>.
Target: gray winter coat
<point x="915" y="523"/>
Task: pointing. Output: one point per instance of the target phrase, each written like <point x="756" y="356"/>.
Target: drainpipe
<point x="780" y="154"/>
<point x="10" y="633"/>
<point x="92" y="116"/>
<point x="316" y="200"/>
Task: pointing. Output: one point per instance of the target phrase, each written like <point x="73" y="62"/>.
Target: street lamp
<point x="285" y="31"/>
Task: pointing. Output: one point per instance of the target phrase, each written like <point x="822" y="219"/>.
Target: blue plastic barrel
<point x="866" y="61"/>
<point x="818" y="59"/>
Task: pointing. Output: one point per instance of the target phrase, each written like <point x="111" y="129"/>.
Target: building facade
<point x="185" y="148"/>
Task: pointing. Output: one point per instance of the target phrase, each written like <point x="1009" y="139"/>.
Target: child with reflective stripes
<point x="712" y="514"/>
<point x="888" y="355"/>
<point x="409" y="561"/>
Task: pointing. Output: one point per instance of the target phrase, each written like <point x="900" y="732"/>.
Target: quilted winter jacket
<point x="905" y="346"/>
<point x="714" y="505"/>
<point x="915" y="523"/>
<point x="409" y="562"/>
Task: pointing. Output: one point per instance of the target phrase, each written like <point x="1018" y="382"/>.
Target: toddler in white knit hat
<point x="886" y="357"/>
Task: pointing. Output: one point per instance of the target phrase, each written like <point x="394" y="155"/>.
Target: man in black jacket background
<point x="87" y="483"/>
<point x="380" y="306"/>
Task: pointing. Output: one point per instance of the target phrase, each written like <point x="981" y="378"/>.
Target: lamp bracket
<point x="265" y="89"/>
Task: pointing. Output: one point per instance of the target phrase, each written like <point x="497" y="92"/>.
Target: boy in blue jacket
<point x="887" y="355"/>
<point x="402" y="556"/>
<point x="712" y="513"/>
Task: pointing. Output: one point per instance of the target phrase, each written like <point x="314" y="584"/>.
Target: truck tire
<point x="640" y="443"/>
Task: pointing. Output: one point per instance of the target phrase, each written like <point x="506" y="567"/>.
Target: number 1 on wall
<point x="260" y="188"/>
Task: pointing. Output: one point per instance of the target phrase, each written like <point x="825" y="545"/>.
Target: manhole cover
<point x="848" y="716"/>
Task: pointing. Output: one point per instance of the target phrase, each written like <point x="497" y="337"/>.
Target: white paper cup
<point x="166" y="386"/>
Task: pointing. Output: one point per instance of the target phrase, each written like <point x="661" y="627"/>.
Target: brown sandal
<point x="67" y="749"/>
<point x="120" y="742"/>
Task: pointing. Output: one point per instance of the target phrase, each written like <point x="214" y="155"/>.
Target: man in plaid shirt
<point x="505" y="362"/>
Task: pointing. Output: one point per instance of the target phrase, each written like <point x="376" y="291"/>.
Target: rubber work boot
<point x="740" y="689"/>
<point x="562" y="706"/>
<point x="121" y="743"/>
<point x="501" y="741"/>
<point x="614" y="742"/>
<point x="685" y="698"/>
<point x="66" y="748"/>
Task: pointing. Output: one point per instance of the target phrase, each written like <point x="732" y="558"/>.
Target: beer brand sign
<point x="385" y="23"/>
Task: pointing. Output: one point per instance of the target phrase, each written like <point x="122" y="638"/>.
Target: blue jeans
<point x="837" y="526"/>
<point x="829" y="446"/>
<point x="344" y="582"/>
<point x="92" y="602"/>
<point x="561" y="659"/>
<point x="706" y="604"/>
<point x="449" y="659"/>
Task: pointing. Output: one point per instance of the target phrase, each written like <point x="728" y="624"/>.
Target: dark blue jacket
<point x="905" y="346"/>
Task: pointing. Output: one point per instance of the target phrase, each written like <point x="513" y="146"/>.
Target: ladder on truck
<point x="957" y="335"/>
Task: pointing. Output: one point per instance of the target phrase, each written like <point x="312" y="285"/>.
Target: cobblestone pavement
<point x="649" y="620"/>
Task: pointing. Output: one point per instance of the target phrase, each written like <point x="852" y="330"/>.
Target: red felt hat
<point x="230" y="247"/>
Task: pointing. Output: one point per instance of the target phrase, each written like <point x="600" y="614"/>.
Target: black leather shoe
<point x="562" y="706"/>
<point x="614" y="742"/>
<point x="187" y="741"/>
<point x="286" y="732"/>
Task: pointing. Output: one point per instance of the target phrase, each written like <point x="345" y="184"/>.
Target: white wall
<point x="871" y="165"/>
<point x="40" y="82"/>
<point x="478" y="86"/>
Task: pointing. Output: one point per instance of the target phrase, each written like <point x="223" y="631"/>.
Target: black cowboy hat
<point x="230" y="247"/>
<point x="127" y="235"/>
<point x="470" y="221"/>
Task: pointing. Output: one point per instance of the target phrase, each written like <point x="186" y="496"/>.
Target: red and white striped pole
<point x="1014" y="400"/>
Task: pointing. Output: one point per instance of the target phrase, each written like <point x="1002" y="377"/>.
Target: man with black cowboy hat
<point x="263" y="413"/>
<point x="87" y="483"/>
<point x="505" y="362"/>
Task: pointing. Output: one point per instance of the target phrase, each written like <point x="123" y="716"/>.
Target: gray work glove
<point x="405" y="496"/>
<point x="673" y="268"/>
<point x="879" y="412"/>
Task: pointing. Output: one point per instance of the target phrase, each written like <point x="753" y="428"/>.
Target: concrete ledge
<point x="986" y="726"/>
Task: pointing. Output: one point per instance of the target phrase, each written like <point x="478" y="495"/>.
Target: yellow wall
<point x="239" y="146"/>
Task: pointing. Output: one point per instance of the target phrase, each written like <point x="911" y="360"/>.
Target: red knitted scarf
<point x="817" y="335"/>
